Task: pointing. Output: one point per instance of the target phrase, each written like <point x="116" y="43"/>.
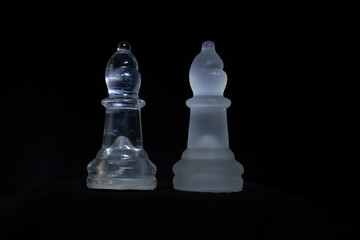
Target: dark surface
<point x="63" y="209"/>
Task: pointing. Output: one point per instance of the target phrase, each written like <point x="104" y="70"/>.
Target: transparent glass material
<point x="208" y="165"/>
<point x="122" y="162"/>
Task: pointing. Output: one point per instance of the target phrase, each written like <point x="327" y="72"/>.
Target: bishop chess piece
<point x="122" y="162"/>
<point x="208" y="165"/>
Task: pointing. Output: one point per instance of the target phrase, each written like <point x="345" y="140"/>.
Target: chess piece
<point x="208" y="165"/>
<point x="122" y="163"/>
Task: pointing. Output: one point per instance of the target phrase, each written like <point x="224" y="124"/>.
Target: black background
<point x="282" y="126"/>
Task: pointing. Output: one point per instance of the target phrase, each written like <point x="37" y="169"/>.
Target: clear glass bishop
<point x="122" y="162"/>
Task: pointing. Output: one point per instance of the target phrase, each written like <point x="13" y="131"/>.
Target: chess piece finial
<point x="122" y="162"/>
<point x="208" y="165"/>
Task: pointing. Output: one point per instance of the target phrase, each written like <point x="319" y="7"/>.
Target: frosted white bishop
<point x="208" y="165"/>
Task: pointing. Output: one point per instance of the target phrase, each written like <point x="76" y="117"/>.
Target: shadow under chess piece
<point x="208" y="165"/>
<point x="122" y="163"/>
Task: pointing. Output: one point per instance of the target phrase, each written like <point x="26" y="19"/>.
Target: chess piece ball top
<point x="124" y="45"/>
<point x="208" y="44"/>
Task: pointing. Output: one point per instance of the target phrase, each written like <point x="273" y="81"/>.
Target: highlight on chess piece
<point x="122" y="162"/>
<point x="208" y="165"/>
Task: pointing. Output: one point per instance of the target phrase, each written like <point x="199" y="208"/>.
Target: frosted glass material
<point x="208" y="165"/>
<point x="122" y="162"/>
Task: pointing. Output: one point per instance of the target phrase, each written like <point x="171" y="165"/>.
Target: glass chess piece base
<point x="121" y="167"/>
<point x="121" y="183"/>
<point x="208" y="170"/>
